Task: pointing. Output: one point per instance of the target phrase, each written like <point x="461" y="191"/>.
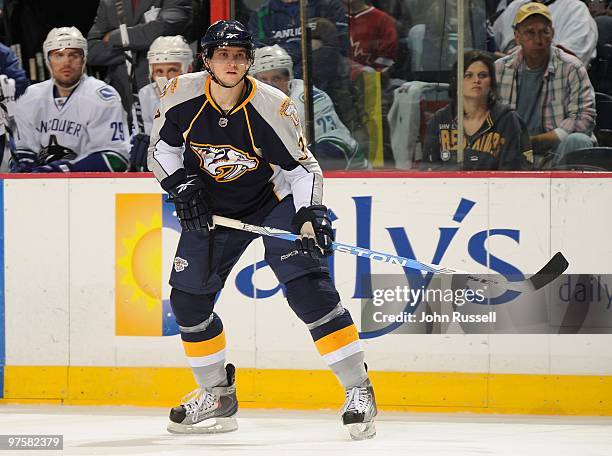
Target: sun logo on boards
<point x="224" y="163"/>
<point x="145" y="228"/>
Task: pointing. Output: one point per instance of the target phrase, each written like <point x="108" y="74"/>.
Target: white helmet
<point x="169" y="49"/>
<point x="62" y="38"/>
<point x="272" y="58"/>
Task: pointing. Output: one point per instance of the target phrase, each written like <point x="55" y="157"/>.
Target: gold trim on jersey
<point x="235" y="109"/>
<point x="193" y="120"/>
<point x="257" y="150"/>
<point x="223" y="162"/>
<point x="248" y="98"/>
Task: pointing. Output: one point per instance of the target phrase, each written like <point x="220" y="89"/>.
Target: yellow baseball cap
<point x="529" y="9"/>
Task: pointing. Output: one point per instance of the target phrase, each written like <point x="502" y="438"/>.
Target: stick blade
<point x="550" y="271"/>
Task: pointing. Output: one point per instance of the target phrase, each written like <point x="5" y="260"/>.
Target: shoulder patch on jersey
<point x="223" y="163"/>
<point x="157" y="114"/>
<point x="106" y="93"/>
<point x="170" y="86"/>
<point x="288" y="109"/>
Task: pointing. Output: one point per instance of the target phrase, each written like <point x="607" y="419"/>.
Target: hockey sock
<point x="202" y="335"/>
<point x="315" y="300"/>
<point x="208" y="377"/>
<point x="204" y="346"/>
<point x="351" y="370"/>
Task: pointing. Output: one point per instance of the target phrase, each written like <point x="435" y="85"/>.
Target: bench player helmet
<point x="272" y="58"/>
<point x="169" y="49"/>
<point x="64" y="38"/>
<point x="226" y="33"/>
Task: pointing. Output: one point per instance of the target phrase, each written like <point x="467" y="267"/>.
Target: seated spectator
<point x="600" y="70"/>
<point x="433" y="43"/>
<point x="71" y="122"/>
<point x="334" y="146"/>
<point x="169" y="57"/>
<point x="373" y="36"/>
<point x="331" y="70"/>
<point x="145" y="20"/>
<point x="278" y="22"/>
<point x="575" y="29"/>
<point x="549" y="88"/>
<point x="602" y="12"/>
<point x="495" y="138"/>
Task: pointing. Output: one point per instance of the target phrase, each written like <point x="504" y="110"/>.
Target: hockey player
<point x="225" y="144"/>
<point x="71" y="122"/>
<point x="334" y="146"/>
<point x="168" y="56"/>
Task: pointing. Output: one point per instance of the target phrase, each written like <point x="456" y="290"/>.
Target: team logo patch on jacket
<point x="180" y="264"/>
<point x="224" y="163"/>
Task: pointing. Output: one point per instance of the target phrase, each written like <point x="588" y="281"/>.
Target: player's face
<point x="229" y="64"/>
<point x="166" y="70"/>
<point x="66" y="66"/>
<point x="276" y="78"/>
<point x="476" y="81"/>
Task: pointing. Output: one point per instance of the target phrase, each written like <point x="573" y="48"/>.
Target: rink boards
<point x="87" y="318"/>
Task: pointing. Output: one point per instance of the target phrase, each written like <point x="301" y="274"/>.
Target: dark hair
<point x="469" y="58"/>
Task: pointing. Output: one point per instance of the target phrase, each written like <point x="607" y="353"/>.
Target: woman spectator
<point x="494" y="135"/>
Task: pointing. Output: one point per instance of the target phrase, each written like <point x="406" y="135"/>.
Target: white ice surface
<point x="141" y="431"/>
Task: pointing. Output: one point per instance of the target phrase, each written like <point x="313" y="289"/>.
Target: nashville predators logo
<point x="288" y="109"/>
<point x="224" y="163"/>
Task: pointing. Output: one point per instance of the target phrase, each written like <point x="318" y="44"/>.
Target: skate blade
<point x="209" y="426"/>
<point x="362" y="431"/>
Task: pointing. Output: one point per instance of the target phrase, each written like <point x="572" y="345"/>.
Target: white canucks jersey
<point x="249" y="158"/>
<point x="91" y="119"/>
<point x="149" y="101"/>
<point x="327" y="124"/>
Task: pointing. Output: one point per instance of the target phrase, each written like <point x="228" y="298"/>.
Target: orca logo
<point x="224" y="163"/>
<point x="106" y="93"/>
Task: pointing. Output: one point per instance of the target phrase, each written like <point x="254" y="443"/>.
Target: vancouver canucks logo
<point x="224" y="163"/>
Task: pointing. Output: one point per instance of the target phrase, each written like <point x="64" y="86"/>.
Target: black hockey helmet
<point x="227" y="33"/>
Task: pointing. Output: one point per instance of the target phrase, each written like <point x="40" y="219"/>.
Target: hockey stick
<point x="131" y="69"/>
<point x="549" y="272"/>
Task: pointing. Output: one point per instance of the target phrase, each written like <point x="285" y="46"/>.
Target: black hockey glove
<point x="315" y="229"/>
<point x="54" y="152"/>
<point x="189" y="197"/>
<point x="23" y="161"/>
<point x="139" y="152"/>
<point x="57" y="166"/>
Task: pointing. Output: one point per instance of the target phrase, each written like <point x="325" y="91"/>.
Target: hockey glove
<point x="189" y="197"/>
<point x="54" y="152"/>
<point x="315" y="229"/>
<point x="23" y="161"/>
<point x="139" y="153"/>
<point x="57" y="166"/>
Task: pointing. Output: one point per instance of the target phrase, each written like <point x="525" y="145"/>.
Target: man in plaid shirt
<point x="549" y="88"/>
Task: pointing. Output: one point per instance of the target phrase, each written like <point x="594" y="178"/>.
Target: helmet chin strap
<point x="72" y="87"/>
<point x="218" y="81"/>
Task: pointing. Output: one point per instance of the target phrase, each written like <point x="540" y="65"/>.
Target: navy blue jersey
<point x="250" y="158"/>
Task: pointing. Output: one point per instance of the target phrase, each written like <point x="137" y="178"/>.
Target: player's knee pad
<point x="189" y="309"/>
<point x="312" y="296"/>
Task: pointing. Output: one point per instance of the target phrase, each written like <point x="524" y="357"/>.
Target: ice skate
<point x="359" y="411"/>
<point x="207" y="411"/>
